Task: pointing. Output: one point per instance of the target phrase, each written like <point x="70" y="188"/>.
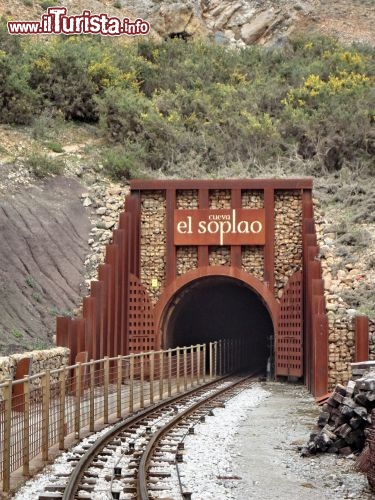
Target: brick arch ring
<point x="175" y="288"/>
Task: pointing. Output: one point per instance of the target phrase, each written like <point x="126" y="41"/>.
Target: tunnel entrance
<point x="218" y="307"/>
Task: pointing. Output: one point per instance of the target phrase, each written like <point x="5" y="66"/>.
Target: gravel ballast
<point x="251" y="449"/>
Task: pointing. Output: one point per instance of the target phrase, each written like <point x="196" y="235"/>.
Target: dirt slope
<point x="44" y="231"/>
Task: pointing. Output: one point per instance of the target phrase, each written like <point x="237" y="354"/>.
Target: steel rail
<point x="142" y="490"/>
<point x="89" y="455"/>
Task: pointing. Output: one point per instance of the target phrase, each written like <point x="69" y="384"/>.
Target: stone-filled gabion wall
<point x="252" y="199"/>
<point x="219" y="256"/>
<point x="186" y="259"/>
<point x="288" y="237"/>
<point x="371" y="339"/>
<point x="253" y="261"/>
<point x="187" y="199"/>
<point x="49" y="359"/>
<point x="153" y="242"/>
<point x="219" y="198"/>
<point x="341" y="348"/>
<point x="253" y="257"/>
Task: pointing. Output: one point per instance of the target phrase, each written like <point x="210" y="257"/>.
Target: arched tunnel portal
<point x="220" y="307"/>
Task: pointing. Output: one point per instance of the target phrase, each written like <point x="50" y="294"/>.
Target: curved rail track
<point x="133" y="457"/>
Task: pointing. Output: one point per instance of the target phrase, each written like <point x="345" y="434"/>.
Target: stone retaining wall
<point x="288" y="237"/>
<point x="153" y="242"/>
<point x="372" y="340"/>
<point x="341" y="348"/>
<point x="49" y="359"/>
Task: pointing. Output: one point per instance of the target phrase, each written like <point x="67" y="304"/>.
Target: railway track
<point x="134" y="458"/>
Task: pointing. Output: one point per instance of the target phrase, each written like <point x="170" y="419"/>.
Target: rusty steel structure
<point x="120" y="316"/>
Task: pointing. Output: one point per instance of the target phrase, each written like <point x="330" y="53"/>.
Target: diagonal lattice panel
<point x="289" y="338"/>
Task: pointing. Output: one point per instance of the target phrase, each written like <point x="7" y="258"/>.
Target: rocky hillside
<point x="54" y="231"/>
<point x="238" y="22"/>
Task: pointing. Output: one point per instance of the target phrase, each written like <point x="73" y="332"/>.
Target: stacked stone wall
<point x="252" y="199"/>
<point x="288" y="237"/>
<point x="371" y="340"/>
<point x="49" y="359"/>
<point x="341" y="348"/>
<point x="153" y="242"/>
<point x="219" y="256"/>
<point x="186" y="259"/>
<point x="220" y="198"/>
<point x="337" y="279"/>
<point x="253" y="261"/>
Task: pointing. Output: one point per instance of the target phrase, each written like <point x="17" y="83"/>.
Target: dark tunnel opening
<point x="220" y="307"/>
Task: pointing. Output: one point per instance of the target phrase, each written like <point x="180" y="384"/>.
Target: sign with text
<point x="234" y="226"/>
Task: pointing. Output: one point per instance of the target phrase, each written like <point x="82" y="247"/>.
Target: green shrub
<point x="46" y="3"/>
<point x="122" y="162"/>
<point x="54" y="146"/>
<point x="42" y="165"/>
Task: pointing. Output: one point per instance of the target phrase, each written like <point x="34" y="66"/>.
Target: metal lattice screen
<point x="141" y="326"/>
<point x="289" y="339"/>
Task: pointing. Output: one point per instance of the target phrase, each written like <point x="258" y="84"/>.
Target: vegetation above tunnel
<point x="194" y="109"/>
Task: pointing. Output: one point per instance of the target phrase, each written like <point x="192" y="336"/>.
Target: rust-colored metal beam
<point x="361" y="338"/>
<point x="269" y="248"/>
<point x="287" y="184"/>
<point x="133" y="208"/>
<point x="203" y="202"/>
<point x="170" y="260"/>
<point x="236" y="202"/>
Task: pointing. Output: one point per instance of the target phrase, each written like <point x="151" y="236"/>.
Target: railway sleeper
<point x="50" y="496"/>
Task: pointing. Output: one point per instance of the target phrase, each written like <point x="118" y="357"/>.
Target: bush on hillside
<point x="176" y="102"/>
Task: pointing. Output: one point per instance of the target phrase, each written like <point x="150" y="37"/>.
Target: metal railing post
<point x="26" y="427"/>
<point x="215" y="359"/>
<point x="7" y="435"/>
<point x="169" y="372"/>
<point x="92" y="396"/>
<point x="152" y="376"/>
<point x="106" y="389"/>
<point x="119" y="385"/>
<point x="221" y="364"/>
<point x="185" y="368"/>
<point x="77" y="408"/>
<point x="131" y="383"/>
<point x="142" y="382"/>
<point x="211" y="360"/>
<point x="178" y="369"/>
<point x="191" y="366"/>
<point x="204" y="363"/>
<point x="161" y="374"/>
<point x="62" y="430"/>
<point x="198" y="363"/>
<point x="45" y="413"/>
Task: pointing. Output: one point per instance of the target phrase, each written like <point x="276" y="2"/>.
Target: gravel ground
<point x="266" y="453"/>
<point x="250" y="449"/>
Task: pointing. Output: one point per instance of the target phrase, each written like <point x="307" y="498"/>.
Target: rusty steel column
<point x="170" y="259"/>
<point x="62" y="323"/>
<point x="126" y="227"/>
<point x="104" y="277"/>
<point x="96" y="294"/>
<point x="133" y="208"/>
<point x="269" y="247"/>
<point x="361" y="338"/>
<point x="235" y="250"/>
<point x="111" y="260"/>
<point x="88" y="305"/>
<point x="203" y="202"/>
